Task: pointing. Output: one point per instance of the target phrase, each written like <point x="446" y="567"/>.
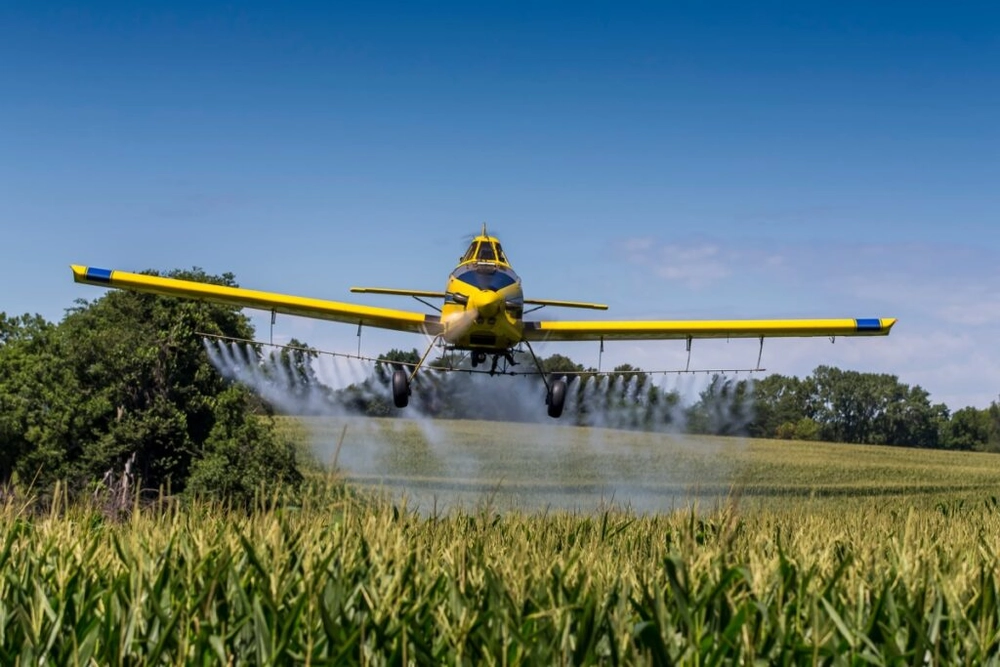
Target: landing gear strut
<point x="555" y="391"/>
<point x="401" y="379"/>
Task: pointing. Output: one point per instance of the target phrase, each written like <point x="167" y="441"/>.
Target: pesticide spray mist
<point x="498" y="446"/>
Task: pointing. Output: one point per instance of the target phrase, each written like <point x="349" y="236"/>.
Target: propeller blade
<point x="459" y="323"/>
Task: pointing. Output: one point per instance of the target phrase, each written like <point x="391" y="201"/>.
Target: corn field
<point x="342" y="578"/>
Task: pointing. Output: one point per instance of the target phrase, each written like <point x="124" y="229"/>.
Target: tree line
<point x="871" y="408"/>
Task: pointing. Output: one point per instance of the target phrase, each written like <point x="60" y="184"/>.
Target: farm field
<point x="830" y="553"/>
<point x="446" y="464"/>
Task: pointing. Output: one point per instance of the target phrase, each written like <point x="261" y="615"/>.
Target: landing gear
<point x="555" y="391"/>
<point x="401" y="379"/>
<point x="478" y="357"/>
<point x="556" y="398"/>
<point x="400" y="388"/>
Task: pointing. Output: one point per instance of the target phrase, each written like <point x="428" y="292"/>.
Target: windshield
<point x="486" y="253"/>
<point x="470" y="254"/>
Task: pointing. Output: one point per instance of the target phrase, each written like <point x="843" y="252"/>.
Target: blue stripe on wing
<point x="868" y="324"/>
<point x="98" y="275"/>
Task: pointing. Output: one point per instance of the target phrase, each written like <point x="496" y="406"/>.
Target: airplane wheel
<point x="400" y="388"/>
<point x="557" y="398"/>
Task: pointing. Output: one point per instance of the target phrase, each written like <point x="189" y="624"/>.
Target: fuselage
<point x="484" y="303"/>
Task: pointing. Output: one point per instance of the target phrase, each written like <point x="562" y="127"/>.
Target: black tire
<point x="557" y="398"/>
<point x="400" y="388"/>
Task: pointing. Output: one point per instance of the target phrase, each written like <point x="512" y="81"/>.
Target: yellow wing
<point x="683" y="329"/>
<point x="383" y="318"/>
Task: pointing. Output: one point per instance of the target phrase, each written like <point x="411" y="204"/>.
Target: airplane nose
<point x="487" y="303"/>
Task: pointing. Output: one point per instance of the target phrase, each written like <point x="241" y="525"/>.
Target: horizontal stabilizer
<point x="398" y="292"/>
<point x="565" y="304"/>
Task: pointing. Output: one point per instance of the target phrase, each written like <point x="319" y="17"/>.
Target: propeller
<point x="485" y="231"/>
<point x="486" y="304"/>
<point x="457" y="324"/>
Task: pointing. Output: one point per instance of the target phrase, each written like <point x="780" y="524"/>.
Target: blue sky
<point x="674" y="160"/>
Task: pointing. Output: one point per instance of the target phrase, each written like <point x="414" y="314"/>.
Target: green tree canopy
<point x="968" y="428"/>
<point x="124" y="375"/>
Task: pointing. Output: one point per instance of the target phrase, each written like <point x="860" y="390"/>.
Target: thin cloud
<point x="695" y="265"/>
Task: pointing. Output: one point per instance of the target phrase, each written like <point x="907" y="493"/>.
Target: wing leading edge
<point x="384" y="318"/>
<point x="683" y="329"/>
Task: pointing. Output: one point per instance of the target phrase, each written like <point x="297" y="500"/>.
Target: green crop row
<point x="343" y="578"/>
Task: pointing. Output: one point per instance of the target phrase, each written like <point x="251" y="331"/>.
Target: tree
<point x="557" y="363"/>
<point x="993" y="415"/>
<point x="909" y="419"/>
<point x="875" y="409"/>
<point x="724" y="407"/>
<point x="41" y="423"/>
<point x="779" y="400"/>
<point x="846" y="404"/>
<point x="241" y="457"/>
<point x="968" y="428"/>
<point x="297" y="358"/>
<point x="124" y="375"/>
<point x="394" y="360"/>
<point x="804" y="429"/>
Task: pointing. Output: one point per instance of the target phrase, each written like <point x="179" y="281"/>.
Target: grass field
<point x="537" y="466"/>
<point x="822" y="554"/>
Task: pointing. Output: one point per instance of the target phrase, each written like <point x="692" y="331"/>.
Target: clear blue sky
<point x="673" y="160"/>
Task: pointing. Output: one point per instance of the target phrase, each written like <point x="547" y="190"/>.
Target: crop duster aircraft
<point x="483" y="314"/>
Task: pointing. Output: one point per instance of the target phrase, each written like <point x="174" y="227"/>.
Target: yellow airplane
<point x="483" y="314"/>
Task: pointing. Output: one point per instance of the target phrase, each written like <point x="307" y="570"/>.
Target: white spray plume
<point x="551" y="464"/>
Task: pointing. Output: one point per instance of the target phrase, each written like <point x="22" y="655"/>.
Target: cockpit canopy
<point x="485" y="249"/>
